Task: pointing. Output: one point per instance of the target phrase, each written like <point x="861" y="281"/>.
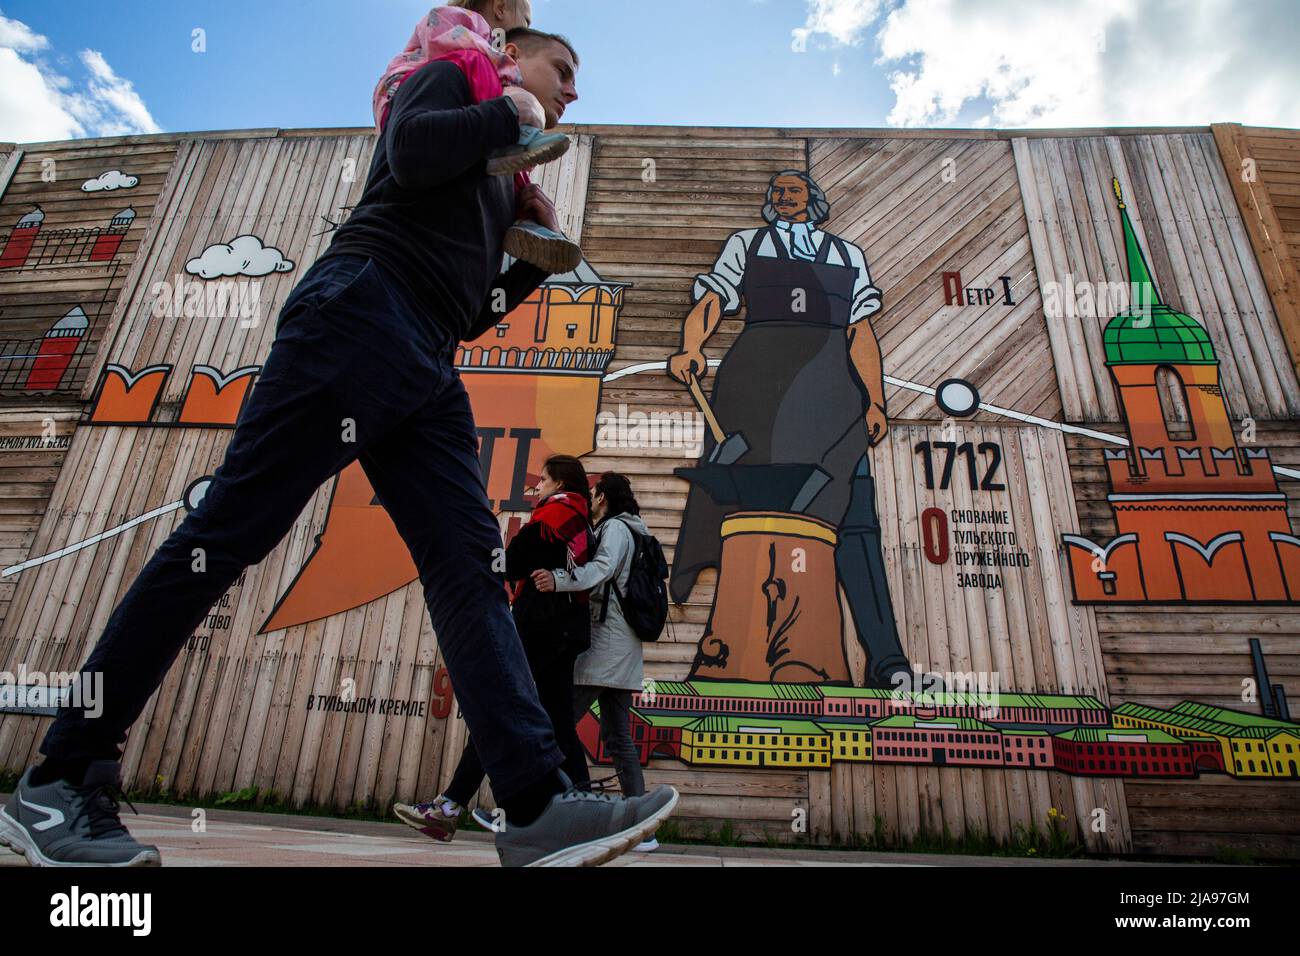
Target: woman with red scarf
<point x="555" y="629"/>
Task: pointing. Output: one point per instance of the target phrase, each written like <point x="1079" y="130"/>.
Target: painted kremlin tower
<point x="18" y="244"/>
<point x="1200" y="519"/>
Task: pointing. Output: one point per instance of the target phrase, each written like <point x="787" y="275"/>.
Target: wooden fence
<point x="972" y="239"/>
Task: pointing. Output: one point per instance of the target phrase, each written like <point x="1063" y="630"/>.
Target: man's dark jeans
<point x="355" y="371"/>
<point x="553" y="675"/>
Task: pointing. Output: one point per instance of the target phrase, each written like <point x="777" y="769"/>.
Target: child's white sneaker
<point x="533" y="149"/>
<point x="551" y="251"/>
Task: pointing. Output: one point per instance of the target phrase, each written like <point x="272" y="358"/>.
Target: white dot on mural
<point x="196" y="491"/>
<point x="957" y="397"/>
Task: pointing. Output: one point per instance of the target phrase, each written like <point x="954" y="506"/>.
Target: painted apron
<point x="788" y="385"/>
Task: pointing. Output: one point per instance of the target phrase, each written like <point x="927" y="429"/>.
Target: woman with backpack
<point x="554" y="628"/>
<point x="611" y="670"/>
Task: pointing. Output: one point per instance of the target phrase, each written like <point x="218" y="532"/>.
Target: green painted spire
<point x="1139" y="273"/>
<point x="1151" y="333"/>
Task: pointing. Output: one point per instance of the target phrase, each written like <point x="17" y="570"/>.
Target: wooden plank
<point x="917" y="797"/>
<point x="778" y="133"/>
<point x="1242" y="277"/>
<point x="1239" y="374"/>
<point x="1260" y="219"/>
<point x="985" y="807"/>
<point x="1046" y="266"/>
<point x="143" y="751"/>
<point x="9" y="162"/>
<point x="941" y="795"/>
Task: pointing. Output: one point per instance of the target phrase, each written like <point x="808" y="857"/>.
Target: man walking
<point x="362" y="368"/>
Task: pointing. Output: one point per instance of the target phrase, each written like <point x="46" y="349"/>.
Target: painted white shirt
<point x="729" y="271"/>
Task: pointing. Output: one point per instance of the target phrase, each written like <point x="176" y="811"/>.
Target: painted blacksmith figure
<point x="804" y="385"/>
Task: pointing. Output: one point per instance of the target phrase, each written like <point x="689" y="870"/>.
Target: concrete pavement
<point x="243" y="838"/>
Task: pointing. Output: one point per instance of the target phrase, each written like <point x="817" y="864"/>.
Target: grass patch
<point x="1234" y="856"/>
<point x="259" y="801"/>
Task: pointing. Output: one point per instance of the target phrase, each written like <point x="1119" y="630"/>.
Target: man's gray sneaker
<point x="585" y="829"/>
<point x="59" y="824"/>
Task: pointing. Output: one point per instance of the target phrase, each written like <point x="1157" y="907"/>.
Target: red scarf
<point x="563" y="517"/>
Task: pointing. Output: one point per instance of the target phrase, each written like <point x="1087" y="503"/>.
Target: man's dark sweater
<point x="430" y="214"/>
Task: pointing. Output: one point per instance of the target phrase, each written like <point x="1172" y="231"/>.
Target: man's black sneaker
<point x="60" y="824"/>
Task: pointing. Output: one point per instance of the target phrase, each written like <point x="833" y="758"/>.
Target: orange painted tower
<point x="534" y="381"/>
<point x="540" y="370"/>
<point x="1200" y="519"/>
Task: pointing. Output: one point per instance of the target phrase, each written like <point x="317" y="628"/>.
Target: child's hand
<point x="530" y="109"/>
<point x="532" y="203"/>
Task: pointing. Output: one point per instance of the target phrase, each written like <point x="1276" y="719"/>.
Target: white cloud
<point x="31" y="106"/>
<point x="843" y="21"/>
<point x="242" y="256"/>
<point x="109" y="181"/>
<point x="37" y="102"/>
<point x="1063" y="63"/>
<point x="18" y="36"/>
<point x="120" y="105"/>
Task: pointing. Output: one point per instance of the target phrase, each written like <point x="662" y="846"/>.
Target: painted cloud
<point x="107" y="182"/>
<point x="242" y="256"/>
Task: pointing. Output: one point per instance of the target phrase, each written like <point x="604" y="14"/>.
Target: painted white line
<point x="646" y="367"/>
<point x="103" y="535"/>
<point x="614" y="376"/>
<point x="927" y="390"/>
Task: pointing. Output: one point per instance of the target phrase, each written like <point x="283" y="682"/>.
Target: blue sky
<point x="115" y="66"/>
<point x="303" y="63"/>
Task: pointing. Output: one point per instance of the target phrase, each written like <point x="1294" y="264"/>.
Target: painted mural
<point x="903" y="475"/>
<point x="1201" y="516"/>
<point x="782" y="503"/>
<point x="800" y="395"/>
<point x="534" y="382"/>
<point x="67" y="227"/>
<point x="49" y="363"/>
<point x="811" y="726"/>
<point x="29" y="245"/>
